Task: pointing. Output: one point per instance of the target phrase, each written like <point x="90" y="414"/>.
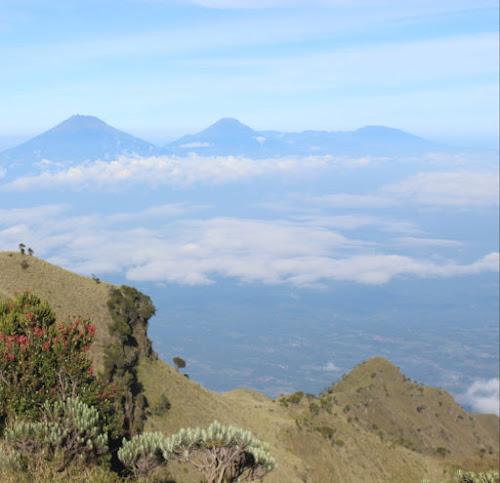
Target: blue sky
<point x="162" y="68"/>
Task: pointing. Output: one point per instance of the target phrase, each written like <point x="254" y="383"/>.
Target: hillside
<point x="68" y="293"/>
<point x="374" y="425"/>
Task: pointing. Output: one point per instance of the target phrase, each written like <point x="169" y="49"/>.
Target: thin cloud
<point x="420" y="6"/>
<point x="344" y="199"/>
<point x="426" y="242"/>
<point x="331" y="367"/>
<point x="459" y="189"/>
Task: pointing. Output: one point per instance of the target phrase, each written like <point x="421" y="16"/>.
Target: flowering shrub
<point x="41" y="361"/>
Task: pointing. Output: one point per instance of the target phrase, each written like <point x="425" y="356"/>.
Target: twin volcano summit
<point x="87" y="138"/>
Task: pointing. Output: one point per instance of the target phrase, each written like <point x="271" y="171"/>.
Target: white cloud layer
<point x="483" y="396"/>
<point x="197" y="251"/>
<point x="449" y="189"/>
<point x="168" y="170"/>
<point x="464" y="188"/>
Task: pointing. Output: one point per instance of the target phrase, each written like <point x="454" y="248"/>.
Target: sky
<point x="163" y="68"/>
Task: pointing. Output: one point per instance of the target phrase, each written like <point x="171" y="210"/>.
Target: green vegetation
<point x="219" y="453"/>
<point x="43" y="361"/>
<point x="53" y="407"/>
<point x="130" y="311"/>
<point x="179" y="363"/>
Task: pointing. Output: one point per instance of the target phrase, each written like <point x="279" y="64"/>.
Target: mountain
<point x="227" y="136"/>
<point x="374" y="425"/>
<point x="87" y="138"/>
<point x="230" y="137"/>
<point x="77" y="139"/>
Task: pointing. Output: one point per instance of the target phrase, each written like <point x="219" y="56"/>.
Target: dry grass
<point x="420" y="417"/>
<point x="69" y="294"/>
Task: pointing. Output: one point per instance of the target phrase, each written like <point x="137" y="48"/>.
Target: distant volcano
<point x="229" y="136"/>
<point x="79" y="138"/>
<point x="87" y="138"/>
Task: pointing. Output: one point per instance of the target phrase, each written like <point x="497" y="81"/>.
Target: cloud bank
<point x="464" y="188"/>
<point x="195" y="251"/>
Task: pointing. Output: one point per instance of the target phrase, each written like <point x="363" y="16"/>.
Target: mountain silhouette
<point x="229" y="136"/>
<point x="87" y="138"/>
<point x="78" y="138"/>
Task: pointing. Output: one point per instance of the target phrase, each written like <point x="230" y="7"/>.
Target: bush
<point x="143" y="453"/>
<point x="314" y="409"/>
<point x="41" y="361"/>
<point x="162" y="406"/>
<point x="70" y="428"/>
<point x="220" y="453"/>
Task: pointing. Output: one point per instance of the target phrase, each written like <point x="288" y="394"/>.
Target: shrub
<point x="295" y="398"/>
<point x="314" y="409"/>
<point x="220" y="453"/>
<point x="162" y="406"/>
<point x="143" y="453"/>
<point x="69" y="429"/>
<point x="327" y="432"/>
<point x="41" y="361"/>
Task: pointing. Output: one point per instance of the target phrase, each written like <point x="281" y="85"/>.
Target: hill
<point x="374" y="425"/>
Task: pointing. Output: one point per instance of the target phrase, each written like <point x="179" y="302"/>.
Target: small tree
<point x="22" y="247"/>
<point x="179" y="363"/>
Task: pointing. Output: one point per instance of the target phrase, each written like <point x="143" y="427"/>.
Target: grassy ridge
<point x="69" y="294"/>
<point x="314" y="439"/>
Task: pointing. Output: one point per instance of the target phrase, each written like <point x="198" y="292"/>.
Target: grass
<point x="69" y="294"/>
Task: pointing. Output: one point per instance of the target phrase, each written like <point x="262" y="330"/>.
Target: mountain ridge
<point x="83" y="138"/>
